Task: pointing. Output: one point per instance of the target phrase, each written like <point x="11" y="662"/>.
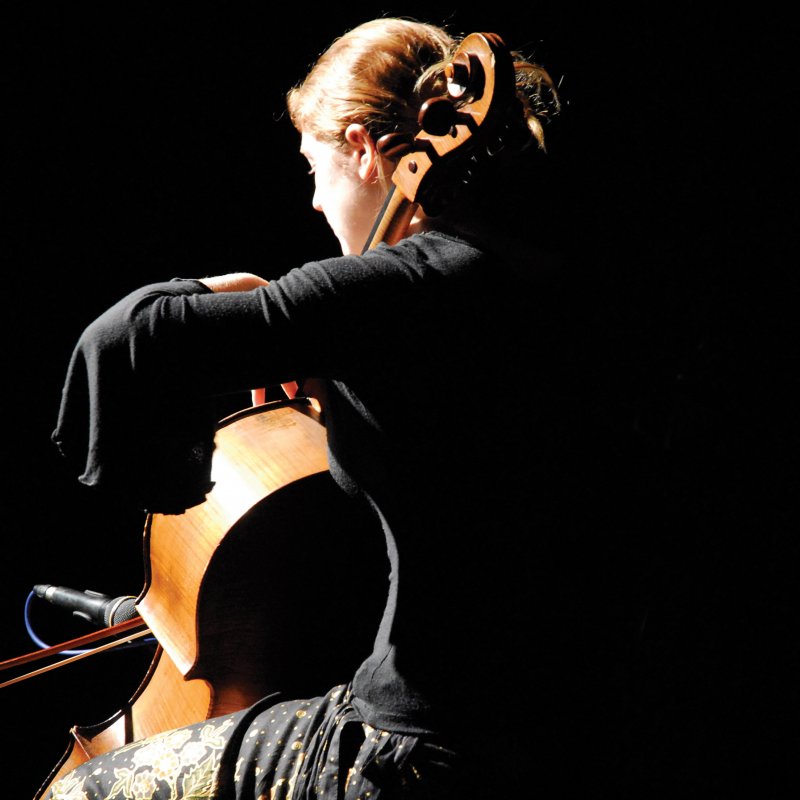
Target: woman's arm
<point x="244" y="282"/>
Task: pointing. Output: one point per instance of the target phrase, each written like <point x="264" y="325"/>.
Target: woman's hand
<point x="234" y="282"/>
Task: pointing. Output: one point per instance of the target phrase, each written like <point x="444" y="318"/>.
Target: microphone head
<point x="121" y="611"/>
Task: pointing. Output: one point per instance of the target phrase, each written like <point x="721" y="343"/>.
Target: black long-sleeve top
<point x="449" y="407"/>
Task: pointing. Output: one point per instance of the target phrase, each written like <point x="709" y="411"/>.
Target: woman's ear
<point x="364" y="151"/>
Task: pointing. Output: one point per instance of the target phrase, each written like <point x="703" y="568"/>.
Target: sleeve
<point x="137" y="414"/>
<point x="152" y="453"/>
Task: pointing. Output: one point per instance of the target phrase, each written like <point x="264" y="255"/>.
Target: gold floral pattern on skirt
<point x="318" y="747"/>
<point x="176" y="764"/>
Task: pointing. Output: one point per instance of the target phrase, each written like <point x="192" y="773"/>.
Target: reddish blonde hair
<point x="380" y="73"/>
<point x="371" y="76"/>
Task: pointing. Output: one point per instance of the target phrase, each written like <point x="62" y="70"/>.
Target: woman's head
<point x="365" y="85"/>
<point x="373" y="81"/>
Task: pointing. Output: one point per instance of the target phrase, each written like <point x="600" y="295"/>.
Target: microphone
<point x="94" y="607"/>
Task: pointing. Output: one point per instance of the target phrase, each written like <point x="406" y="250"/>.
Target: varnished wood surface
<point x="256" y="455"/>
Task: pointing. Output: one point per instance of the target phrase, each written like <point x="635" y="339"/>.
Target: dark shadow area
<point x="148" y="145"/>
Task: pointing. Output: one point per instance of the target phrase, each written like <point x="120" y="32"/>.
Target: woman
<point x="442" y="366"/>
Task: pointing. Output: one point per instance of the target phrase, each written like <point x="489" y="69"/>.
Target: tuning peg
<point x="395" y="145"/>
<point x="464" y="74"/>
<point x="437" y="116"/>
<point x="495" y="146"/>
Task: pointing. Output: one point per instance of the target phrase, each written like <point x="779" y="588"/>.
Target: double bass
<point x="203" y="567"/>
<point x="228" y="587"/>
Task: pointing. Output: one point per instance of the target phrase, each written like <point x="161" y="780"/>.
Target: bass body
<point x="263" y="587"/>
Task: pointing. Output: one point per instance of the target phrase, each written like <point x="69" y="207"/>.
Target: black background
<point x="148" y="142"/>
